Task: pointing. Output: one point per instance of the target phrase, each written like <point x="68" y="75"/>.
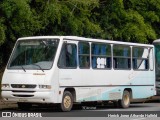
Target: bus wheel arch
<point x="69" y="97"/>
<point x="73" y="92"/>
<point x="130" y="92"/>
<point x="126" y="98"/>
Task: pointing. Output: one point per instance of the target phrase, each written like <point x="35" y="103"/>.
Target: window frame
<point x="122" y="57"/>
<point x="64" y="43"/>
<point x="141" y="58"/>
<point x="102" y="56"/>
<point x="84" y="55"/>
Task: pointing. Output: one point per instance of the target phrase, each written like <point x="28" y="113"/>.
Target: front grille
<point x="23" y="95"/>
<point x="23" y="86"/>
<point x="22" y="91"/>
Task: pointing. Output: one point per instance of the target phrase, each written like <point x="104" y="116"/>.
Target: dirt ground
<point x="5" y="105"/>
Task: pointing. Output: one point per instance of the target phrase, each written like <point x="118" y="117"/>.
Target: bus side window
<point x="68" y="56"/>
<point x="84" y="55"/>
<point x="114" y="62"/>
<point x="121" y="57"/>
<point x="101" y="56"/>
<point x="108" y="62"/>
<point x="140" y="58"/>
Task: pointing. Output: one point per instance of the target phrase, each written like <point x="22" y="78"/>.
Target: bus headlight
<point x="5" y="86"/>
<point x="45" y="86"/>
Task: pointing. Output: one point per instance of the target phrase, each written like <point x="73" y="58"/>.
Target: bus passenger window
<point x="101" y="56"/>
<point x="121" y="57"/>
<point x="84" y="55"/>
<point x="140" y="58"/>
<point x="68" y="56"/>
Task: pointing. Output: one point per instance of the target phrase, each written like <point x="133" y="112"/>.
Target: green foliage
<point x="66" y="17"/>
<point x="19" y="19"/>
<point x="124" y="20"/>
<point x="2" y="34"/>
<point x="149" y="10"/>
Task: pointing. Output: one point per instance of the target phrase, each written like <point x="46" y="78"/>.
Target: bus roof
<point x="76" y="38"/>
<point x="156" y="41"/>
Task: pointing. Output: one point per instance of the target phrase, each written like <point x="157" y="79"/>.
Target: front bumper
<point x="35" y="97"/>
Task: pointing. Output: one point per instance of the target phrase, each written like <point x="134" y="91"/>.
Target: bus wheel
<point x="125" y="102"/>
<point x="24" y="106"/>
<point x="67" y="102"/>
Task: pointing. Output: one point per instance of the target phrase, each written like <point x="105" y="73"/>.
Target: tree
<point x="21" y="18"/>
<point x="66" y="17"/>
<point x="121" y="20"/>
<point x="149" y="9"/>
<point x="124" y="20"/>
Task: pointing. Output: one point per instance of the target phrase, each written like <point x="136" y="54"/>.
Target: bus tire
<point x="24" y="106"/>
<point x="125" y="102"/>
<point x="67" y="102"/>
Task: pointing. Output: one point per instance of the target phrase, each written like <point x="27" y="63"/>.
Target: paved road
<point x="144" y="105"/>
<point x="107" y="111"/>
<point x="110" y="107"/>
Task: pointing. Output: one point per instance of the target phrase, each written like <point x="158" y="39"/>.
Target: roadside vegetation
<point x="123" y="20"/>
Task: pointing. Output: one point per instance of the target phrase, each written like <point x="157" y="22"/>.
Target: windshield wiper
<point x="23" y="68"/>
<point x="38" y="66"/>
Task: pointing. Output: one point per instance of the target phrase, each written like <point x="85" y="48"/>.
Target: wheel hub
<point x="67" y="102"/>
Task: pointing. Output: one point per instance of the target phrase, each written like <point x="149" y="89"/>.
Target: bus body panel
<point x="96" y="85"/>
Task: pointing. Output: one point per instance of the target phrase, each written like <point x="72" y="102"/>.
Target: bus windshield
<point x="157" y="54"/>
<point x="34" y="54"/>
